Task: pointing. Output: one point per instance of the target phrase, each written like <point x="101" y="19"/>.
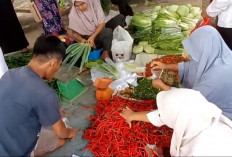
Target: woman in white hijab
<point x="199" y="127"/>
<point x="3" y="66"/>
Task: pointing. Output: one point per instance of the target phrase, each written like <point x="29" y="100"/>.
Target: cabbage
<point x="173" y="8"/>
<point x="189" y="6"/>
<point x="186" y="33"/>
<point x="196" y="11"/>
<point x="189" y="21"/>
<point x="153" y="15"/>
<point x="168" y="15"/>
<point x="162" y="10"/>
<point x="157" y="9"/>
<point x="143" y="43"/>
<point x="161" y="22"/>
<point x="183" y="10"/>
<point x="138" y="49"/>
<point x="149" y="49"/>
<point x="191" y="16"/>
<point x="183" y="26"/>
<point x="141" y="21"/>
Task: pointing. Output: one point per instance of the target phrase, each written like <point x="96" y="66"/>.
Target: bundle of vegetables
<point x="74" y="52"/>
<point x="144" y="90"/>
<point x="110" y="135"/>
<point x="169" y="59"/>
<point x="110" y="70"/>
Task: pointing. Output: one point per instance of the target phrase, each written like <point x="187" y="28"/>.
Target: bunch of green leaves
<point x="144" y="90"/>
<point x="140" y="21"/>
<point x="109" y="70"/>
<point x="18" y="60"/>
<point x="93" y="63"/>
<point x="74" y="52"/>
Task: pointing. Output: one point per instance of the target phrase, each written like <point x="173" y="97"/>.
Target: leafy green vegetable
<point x="157" y="9"/>
<point x="143" y="43"/>
<point x="108" y="69"/>
<point x="141" y="21"/>
<point x="195" y="11"/>
<point x="162" y="22"/>
<point x="183" y="26"/>
<point x="138" y="49"/>
<point x="173" y="8"/>
<point x="183" y="10"/>
<point x="92" y="64"/>
<point x="75" y="51"/>
<point x="18" y="60"/>
<point x="149" y="49"/>
<point x="144" y="90"/>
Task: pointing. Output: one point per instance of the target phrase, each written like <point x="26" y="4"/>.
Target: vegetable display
<point x="165" y="31"/>
<point x="74" y="52"/>
<point x="110" y="135"/>
<point x="18" y="60"/>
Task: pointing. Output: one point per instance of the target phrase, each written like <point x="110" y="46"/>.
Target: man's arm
<point x="63" y="132"/>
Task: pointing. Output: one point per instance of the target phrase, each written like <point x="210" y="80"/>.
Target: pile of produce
<point x="144" y="90"/>
<point x="18" y="60"/>
<point x="74" y="52"/>
<point x="164" y="28"/>
<point x="110" y="135"/>
<point x="169" y="59"/>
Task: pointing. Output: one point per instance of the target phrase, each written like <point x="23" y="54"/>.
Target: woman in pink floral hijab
<point x="87" y="25"/>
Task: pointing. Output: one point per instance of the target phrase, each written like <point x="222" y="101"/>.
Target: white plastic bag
<point x="121" y="45"/>
<point x="3" y="66"/>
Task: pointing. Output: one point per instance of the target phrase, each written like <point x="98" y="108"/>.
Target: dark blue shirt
<point x="26" y="104"/>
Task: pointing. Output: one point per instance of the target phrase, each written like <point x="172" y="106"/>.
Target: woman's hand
<point x="90" y="41"/>
<point x="127" y="115"/>
<point x="158" y="65"/>
<point x="159" y="84"/>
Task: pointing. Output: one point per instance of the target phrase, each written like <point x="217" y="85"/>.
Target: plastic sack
<point x="121" y="45"/>
<point x="3" y="66"/>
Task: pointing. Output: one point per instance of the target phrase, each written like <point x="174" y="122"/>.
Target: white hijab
<point x="3" y="66"/>
<point x="188" y="113"/>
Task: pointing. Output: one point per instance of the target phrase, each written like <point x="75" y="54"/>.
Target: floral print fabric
<point x="51" y="16"/>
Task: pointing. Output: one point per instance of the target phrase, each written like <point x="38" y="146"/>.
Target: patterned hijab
<point x="85" y="23"/>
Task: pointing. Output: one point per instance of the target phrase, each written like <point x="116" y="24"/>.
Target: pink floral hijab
<point x="85" y="23"/>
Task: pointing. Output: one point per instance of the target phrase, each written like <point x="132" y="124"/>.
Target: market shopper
<point x="209" y="70"/>
<point x="222" y="10"/>
<point x="12" y="37"/>
<point x="199" y="128"/>
<point x="86" y="25"/>
<point x="50" y="14"/>
<point x="27" y="102"/>
<point x="3" y="66"/>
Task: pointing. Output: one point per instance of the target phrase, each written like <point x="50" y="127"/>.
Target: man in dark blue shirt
<point x="27" y="102"/>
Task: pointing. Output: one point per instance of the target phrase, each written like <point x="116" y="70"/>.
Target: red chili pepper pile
<point x="110" y="135"/>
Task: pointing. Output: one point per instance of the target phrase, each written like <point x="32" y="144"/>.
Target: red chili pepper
<point x="110" y="135"/>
